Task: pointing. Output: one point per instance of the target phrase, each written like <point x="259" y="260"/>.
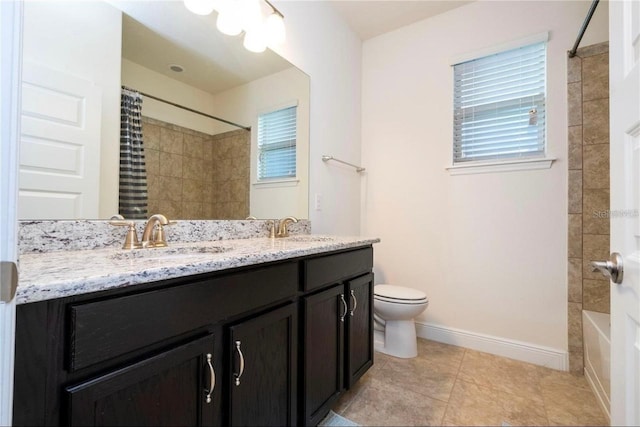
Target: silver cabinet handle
<point x="212" y="375"/>
<point x="355" y="302"/>
<point x="344" y="305"/>
<point x="239" y="374"/>
<point x="612" y="269"/>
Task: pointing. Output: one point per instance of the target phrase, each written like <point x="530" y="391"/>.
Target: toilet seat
<point x="399" y="294"/>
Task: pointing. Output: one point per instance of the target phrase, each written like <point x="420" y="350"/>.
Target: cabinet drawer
<point x="110" y="328"/>
<point x="334" y="268"/>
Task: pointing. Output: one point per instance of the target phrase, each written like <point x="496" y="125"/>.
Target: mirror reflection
<point x="78" y="56"/>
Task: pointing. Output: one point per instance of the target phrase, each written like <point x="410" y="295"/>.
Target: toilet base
<point x="398" y="339"/>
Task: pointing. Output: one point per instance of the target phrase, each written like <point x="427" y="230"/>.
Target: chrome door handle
<point x="212" y="375"/>
<point x="239" y="374"/>
<point x="344" y="305"/>
<point x="355" y="302"/>
<point x="612" y="269"/>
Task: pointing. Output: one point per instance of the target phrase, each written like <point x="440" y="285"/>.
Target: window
<point x="499" y="106"/>
<point x="277" y="144"/>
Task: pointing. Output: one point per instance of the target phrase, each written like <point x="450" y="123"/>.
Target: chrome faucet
<point x="153" y="236"/>
<point x="282" y="226"/>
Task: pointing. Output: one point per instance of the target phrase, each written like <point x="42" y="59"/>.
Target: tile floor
<point x="448" y="385"/>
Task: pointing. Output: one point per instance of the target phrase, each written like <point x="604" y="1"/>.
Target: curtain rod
<point x="191" y="110"/>
<point x="585" y="24"/>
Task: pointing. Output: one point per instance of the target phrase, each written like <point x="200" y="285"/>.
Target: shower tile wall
<point x="192" y="175"/>
<point x="588" y="162"/>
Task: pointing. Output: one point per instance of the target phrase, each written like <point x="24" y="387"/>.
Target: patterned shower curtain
<point x="133" y="172"/>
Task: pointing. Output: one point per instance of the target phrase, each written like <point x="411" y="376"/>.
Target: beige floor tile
<point x="549" y="377"/>
<point x="499" y="373"/>
<point x="379" y="361"/>
<point x="421" y="376"/>
<point x="570" y="405"/>
<point x="383" y="404"/>
<point x="440" y="354"/>
<point x="471" y="404"/>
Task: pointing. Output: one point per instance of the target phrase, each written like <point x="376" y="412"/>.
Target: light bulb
<point x="251" y="14"/>
<point x="255" y="40"/>
<point x="200" y="7"/>
<point x="275" y="29"/>
<point x="229" y="19"/>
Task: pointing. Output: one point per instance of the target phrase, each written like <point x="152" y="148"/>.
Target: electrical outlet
<point x="318" y="202"/>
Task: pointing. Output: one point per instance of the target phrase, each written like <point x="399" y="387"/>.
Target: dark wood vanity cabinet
<point x="338" y="331"/>
<point x="268" y="338"/>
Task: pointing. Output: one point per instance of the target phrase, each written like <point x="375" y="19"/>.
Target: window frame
<point x="536" y="161"/>
<point x="275" y="181"/>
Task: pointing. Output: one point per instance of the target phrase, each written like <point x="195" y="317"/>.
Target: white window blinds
<point x="499" y="105"/>
<point x="277" y="144"/>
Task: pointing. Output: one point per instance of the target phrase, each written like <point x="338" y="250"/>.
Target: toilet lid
<point x="399" y="293"/>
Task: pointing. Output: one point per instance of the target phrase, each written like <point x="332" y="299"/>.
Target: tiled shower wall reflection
<point x="192" y="175"/>
<point x="588" y="96"/>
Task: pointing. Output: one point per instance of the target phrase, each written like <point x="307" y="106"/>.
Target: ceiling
<point x="370" y="18"/>
<point x="167" y="33"/>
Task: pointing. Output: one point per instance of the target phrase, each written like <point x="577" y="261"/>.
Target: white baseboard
<point x="526" y="352"/>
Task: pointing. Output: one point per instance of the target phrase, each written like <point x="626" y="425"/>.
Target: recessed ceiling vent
<point x="177" y="68"/>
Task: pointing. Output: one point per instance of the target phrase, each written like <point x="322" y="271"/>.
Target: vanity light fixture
<point x="236" y="16"/>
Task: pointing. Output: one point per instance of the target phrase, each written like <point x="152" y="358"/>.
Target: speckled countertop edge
<point x="62" y="274"/>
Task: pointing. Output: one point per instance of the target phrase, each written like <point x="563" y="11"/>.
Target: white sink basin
<point x="169" y="253"/>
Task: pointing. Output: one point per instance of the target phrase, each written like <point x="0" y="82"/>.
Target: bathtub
<point x="597" y="364"/>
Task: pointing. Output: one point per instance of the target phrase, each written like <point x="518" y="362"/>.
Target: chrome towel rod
<point x="326" y="158"/>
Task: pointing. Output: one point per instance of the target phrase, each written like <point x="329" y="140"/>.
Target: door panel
<point x="324" y="351"/>
<point x="59" y="146"/>
<point x="360" y="328"/>
<point x="165" y="390"/>
<point x="624" y="34"/>
<point x="263" y="355"/>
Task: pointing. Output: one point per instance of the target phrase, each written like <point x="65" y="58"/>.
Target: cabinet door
<point x="263" y="359"/>
<point x="359" y="328"/>
<point x="165" y="390"/>
<point x="324" y="316"/>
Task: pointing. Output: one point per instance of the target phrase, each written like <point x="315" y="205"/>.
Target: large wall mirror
<point x="78" y="56"/>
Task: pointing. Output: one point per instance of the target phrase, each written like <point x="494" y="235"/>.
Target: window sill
<point x="501" y="166"/>
<point x="289" y="182"/>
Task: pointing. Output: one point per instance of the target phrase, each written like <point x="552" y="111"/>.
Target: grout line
<point x="455" y="381"/>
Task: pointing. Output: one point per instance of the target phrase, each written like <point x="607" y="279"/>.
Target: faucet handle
<point x="131" y="238"/>
<point x="282" y="229"/>
<point x="271" y="223"/>
<point x="159" y="238"/>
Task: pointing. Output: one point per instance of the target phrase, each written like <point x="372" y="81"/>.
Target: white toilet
<point x="394" y="309"/>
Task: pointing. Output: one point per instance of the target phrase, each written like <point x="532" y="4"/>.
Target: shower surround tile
<point x="595" y="116"/>
<point x="182" y="163"/>
<point x="575" y="103"/>
<point x="588" y="170"/>
<point x="595" y="77"/>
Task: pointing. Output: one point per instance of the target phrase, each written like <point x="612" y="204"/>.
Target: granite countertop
<point x="52" y="275"/>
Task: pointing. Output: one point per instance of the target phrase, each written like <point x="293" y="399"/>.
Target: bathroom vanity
<point x="227" y="338"/>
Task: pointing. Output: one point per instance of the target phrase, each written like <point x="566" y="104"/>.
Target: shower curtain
<point x="133" y="173"/>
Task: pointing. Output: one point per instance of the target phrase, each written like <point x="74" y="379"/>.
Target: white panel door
<point x="60" y="145"/>
<point x="624" y="39"/>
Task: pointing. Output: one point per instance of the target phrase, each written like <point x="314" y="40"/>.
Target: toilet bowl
<point x="394" y="309"/>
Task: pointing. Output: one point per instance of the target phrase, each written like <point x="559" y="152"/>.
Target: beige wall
<point x="62" y="35"/>
<point x="321" y="44"/>
<point x="588" y="120"/>
<point x="488" y="249"/>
